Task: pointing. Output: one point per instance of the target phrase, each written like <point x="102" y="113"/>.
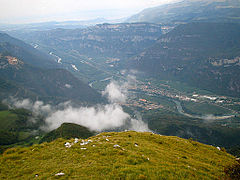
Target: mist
<point x="98" y="118"/>
<point x="37" y="107"/>
<point x="95" y="118"/>
<point x="115" y="92"/>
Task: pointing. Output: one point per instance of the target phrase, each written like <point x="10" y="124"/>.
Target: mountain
<point x="124" y="155"/>
<point x="28" y="73"/>
<point x="191" y="11"/>
<point x="27" y="53"/>
<point x="103" y="40"/>
<point x="46" y="84"/>
<point x="172" y="124"/>
<point x="68" y="131"/>
<point x="41" y="26"/>
<point x="204" y="55"/>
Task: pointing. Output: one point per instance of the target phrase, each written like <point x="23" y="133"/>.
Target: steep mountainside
<point x="206" y="55"/>
<point x="125" y="155"/>
<point x="46" y="84"/>
<point x="103" y="40"/>
<point x="28" y="73"/>
<point x="27" y="53"/>
<point x="191" y="11"/>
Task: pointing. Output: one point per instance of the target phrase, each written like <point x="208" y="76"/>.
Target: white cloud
<point x="115" y="93"/>
<point x="98" y="118"/>
<point x="102" y="117"/>
<point x="38" y="107"/>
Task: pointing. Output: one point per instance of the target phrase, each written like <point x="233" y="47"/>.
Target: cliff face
<point x="103" y="40"/>
<point x="127" y="155"/>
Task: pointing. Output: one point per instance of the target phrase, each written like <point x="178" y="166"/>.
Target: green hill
<point x="68" y="131"/>
<point x="124" y="155"/>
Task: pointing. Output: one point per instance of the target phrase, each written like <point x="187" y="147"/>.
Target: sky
<point x="29" y="11"/>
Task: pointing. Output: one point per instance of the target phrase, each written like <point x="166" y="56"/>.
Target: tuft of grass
<point x="137" y="156"/>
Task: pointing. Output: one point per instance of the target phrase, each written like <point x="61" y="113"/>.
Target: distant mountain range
<point x="103" y="40"/>
<point x="202" y="54"/>
<point x="27" y="72"/>
<point x="43" y="26"/>
<point x="206" y="55"/>
<point x="191" y="11"/>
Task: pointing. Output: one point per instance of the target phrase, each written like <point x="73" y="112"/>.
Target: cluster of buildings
<point x="144" y="104"/>
<point x="147" y="89"/>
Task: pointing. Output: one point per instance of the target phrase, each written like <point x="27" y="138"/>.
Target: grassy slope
<point x="169" y="158"/>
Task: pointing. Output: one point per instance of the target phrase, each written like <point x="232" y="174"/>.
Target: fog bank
<point x="97" y="118"/>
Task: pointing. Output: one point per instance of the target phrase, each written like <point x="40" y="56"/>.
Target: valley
<point x="197" y="113"/>
<point x="151" y="93"/>
<point x="146" y="94"/>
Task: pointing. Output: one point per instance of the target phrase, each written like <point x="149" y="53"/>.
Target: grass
<point x="140" y="156"/>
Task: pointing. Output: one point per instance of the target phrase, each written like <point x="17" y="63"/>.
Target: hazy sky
<point x="26" y="11"/>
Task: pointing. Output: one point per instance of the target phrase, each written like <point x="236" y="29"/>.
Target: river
<point x="205" y="117"/>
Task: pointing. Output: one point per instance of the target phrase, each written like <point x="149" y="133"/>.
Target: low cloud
<point x="95" y="118"/>
<point x="115" y="93"/>
<point x="139" y="125"/>
<point x="37" y="107"/>
<point x="98" y="118"/>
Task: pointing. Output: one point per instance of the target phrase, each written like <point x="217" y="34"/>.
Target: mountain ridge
<point x="102" y="40"/>
<point x="190" y="11"/>
<point x="204" y="55"/>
